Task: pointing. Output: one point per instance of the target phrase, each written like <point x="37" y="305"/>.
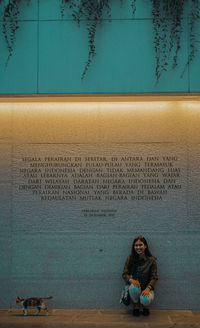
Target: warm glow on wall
<point x="101" y="119"/>
<point x="109" y="106"/>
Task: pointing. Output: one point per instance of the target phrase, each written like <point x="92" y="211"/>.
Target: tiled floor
<point x="100" y="318"/>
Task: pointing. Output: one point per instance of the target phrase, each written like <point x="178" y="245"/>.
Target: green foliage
<point x="10" y="23"/>
<point x="168" y="18"/>
<point x="194" y="16"/>
<point x="167" y="23"/>
<point x="94" y="12"/>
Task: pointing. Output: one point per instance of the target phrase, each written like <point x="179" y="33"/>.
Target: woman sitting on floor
<point x="140" y="272"/>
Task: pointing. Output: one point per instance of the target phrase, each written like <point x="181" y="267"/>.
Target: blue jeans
<point x="136" y="296"/>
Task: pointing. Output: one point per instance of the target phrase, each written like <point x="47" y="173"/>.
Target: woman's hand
<point x="134" y="282"/>
<point x="146" y="291"/>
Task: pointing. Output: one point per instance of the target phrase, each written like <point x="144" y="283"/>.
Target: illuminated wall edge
<point x="98" y="97"/>
<point x="104" y="119"/>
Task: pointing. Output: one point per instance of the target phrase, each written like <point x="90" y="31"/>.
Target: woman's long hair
<point x="134" y="255"/>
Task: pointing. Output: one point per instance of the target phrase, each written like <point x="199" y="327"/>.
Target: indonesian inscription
<point x="100" y="178"/>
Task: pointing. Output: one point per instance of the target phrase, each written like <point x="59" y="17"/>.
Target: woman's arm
<point x="126" y="276"/>
<point x="153" y="279"/>
<point x="153" y="275"/>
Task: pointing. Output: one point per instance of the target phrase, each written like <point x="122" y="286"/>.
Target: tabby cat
<point x="37" y="302"/>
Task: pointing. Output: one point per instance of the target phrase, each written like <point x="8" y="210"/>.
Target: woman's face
<point x="140" y="247"/>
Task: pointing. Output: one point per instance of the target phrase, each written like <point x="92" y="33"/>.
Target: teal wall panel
<point x="19" y="75"/>
<point x="121" y="47"/>
<point x="50" y="53"/>
<point x="28" y="10"/>
<point x="50" y="10"/>
<point x="64" y="67"/>
<point x="195" y="68"/>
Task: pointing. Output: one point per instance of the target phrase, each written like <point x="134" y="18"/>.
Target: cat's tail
<point x="48" y="298"/>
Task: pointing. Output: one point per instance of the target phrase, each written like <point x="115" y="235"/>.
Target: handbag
<point x="125" y="297"/>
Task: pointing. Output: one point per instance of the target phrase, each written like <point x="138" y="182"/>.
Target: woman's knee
<point x="147" y="299"/>
<point x="134" y="293"/>
<point x="134" y="289"/>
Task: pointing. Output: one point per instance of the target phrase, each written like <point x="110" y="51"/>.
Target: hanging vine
<point x="194" y="16"/>
<point x="168" y="20"/>
<point x="10" y="23"/>
<point x="93" y="12"/>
